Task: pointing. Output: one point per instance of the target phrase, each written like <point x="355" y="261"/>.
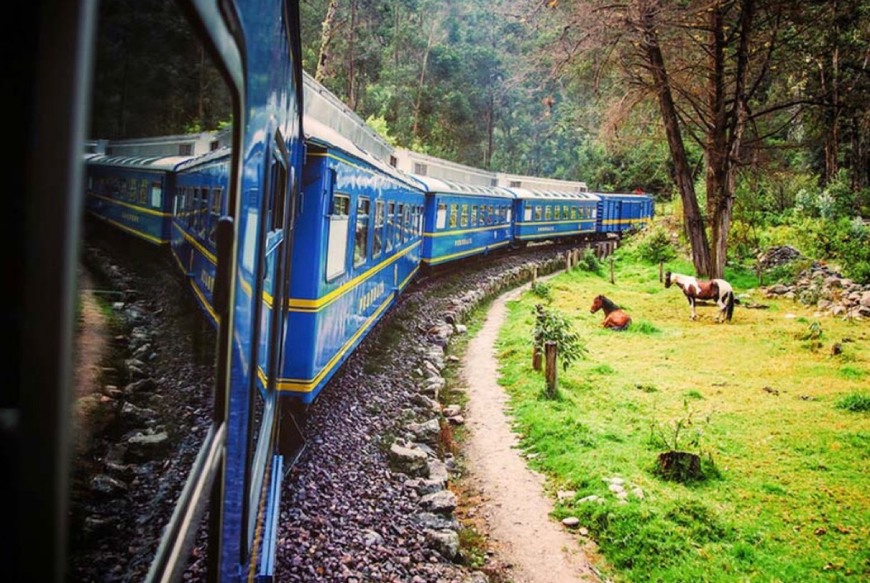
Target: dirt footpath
<point x="516" y="509"/>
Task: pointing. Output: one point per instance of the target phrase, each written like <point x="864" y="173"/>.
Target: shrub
<point x="554" y="326"/>
<point x="589" y="262"/>
<point x="855" y="402"/>
<point x="656" y="247"/>
<point x="542" y="290"/>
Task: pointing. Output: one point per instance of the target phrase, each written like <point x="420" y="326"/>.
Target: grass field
<point x="781" y="423"/>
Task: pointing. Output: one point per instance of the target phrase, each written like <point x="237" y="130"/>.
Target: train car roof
<point x="425" y="165"/>
<point x="161" y="163"/>
<point x="623" y="194"/>
<point x="192" y="161"/>
<point x="450" y="187"/>
<point x="554" y="195"/>
<point x="539" y="183"/>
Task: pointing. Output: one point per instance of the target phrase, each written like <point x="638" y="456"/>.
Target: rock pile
<point x="776" y="256"/>
<point x="831" y="293"/>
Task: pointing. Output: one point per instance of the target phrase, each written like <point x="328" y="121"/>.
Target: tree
<point x="708" y="64"/>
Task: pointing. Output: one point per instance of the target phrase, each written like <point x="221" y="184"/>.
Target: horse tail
<point x="729" y="304"/>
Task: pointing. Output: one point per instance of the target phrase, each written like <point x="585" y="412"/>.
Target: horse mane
<point x="607" y="304"/>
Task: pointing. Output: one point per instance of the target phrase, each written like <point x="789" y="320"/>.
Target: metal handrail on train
<point x="177" y="542"/>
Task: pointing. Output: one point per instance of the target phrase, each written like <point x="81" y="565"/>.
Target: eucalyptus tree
<point x="719" y="72"/>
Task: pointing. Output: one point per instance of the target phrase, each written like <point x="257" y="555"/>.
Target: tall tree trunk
<point x="325" y="40"/>
<point x="351" y="69"/>
<point x="725" y="134"/>
<point x="683" y="173"/>
<point x="420" y="84"/>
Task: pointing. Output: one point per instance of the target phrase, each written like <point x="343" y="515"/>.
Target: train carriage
<point x="544" y="214"/>
<point x="464" y="220"/>
<point x="357" y="245"/>
<point x="618" y="212"/>
<point x="133" y="193"/>
<point x="200" y="199"/>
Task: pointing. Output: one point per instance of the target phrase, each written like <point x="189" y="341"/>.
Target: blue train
<point x="364" y="226"/>
<point x="294" y="243"/>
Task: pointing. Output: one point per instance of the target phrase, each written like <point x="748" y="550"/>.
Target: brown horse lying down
<point x="614" y="318"/>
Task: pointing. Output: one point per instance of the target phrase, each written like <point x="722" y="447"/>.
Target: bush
<point x="554" y="326"/>
<point x="656" y="247"/>
<point x="855" y="402"/>
<point x="589" y="262"/>
<point x="542" y="290"/>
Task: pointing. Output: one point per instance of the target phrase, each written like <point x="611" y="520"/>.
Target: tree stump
<point x="550" y="353"/>
<point x="679" y="466"/>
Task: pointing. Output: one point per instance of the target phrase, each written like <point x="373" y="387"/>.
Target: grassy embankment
<point x="789" y="499"/>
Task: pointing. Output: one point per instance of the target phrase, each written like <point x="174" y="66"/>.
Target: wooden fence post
<point x="534" y="273"/>
<point x="661" y="271"/>
<point x="611" y="270"/>
<point x="550" y="353"/>
<point x="536" y="358"/>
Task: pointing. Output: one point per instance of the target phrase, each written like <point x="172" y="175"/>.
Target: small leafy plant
<point x="542" y="290"/>
<point x="855" y="402"/>
<point x="552" y="325"/>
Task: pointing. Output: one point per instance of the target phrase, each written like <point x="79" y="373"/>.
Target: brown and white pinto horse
<point x="714" y="289"/>
<point x="614" y="318"/>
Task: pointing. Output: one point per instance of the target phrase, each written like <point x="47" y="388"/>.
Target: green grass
<point x="787" y="497"/>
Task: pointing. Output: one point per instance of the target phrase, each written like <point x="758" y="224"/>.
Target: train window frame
<point x="557" y="212"/>
<point x="398" y="225"/>
<point x="361" y="231"/>
<point x="378" y="234"/>
<point x="539" y="212"/>
<point x="215" y="213"/>
<point x="463" y="216"/>
<point x="337" y="236"/>
<point x="575" y="213"/>
<point x="441" y="216"/>
<point x="454" y="216"/>
<point x="566" y="210"/>
<point x="389" y="227"/>
<point x="406" y="222"/>
<point x="156" y="192"/>
<point x="473" y="217"/>
<point x="143" y="191"/>
<point x="548" y="212"/>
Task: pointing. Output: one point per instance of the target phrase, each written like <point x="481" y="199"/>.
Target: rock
<point x="438" y="471"/>
<point x="446" y="542"/>
<point x="571" y="521"/>
<point x="141" y="386"/>
<point x="431" y="521"/>
<point x="563" y="495"/>
<point x="145" y="447"/>
<point x="107" y="486"/>
<point x="371" y="537"/>
<point x="461" y="328"/>
<point x="411" y="461"/>
<point x="134" y="415"/>
<point x="443" y="502"/>
<point x="452" y="410"/>
<point x="428" y="432"/>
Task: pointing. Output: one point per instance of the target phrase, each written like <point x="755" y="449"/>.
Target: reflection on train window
<point x="397" y="233"/>
<point x="391" y="210"/>
<point x="538" y="212"/>
<point x="156" y="195"/>
<point x="214" y="213"/>
<point x="378" y="243"/>
<point x="336" y="250"/>
<point x="463" y="217"/>
<point x="454" y="211"/>
<point x="473" y="215"/>
<point x="441" y="216"/>
<point x="406" y="224"/>
<point x="574" y="213"/>
<point x="489" y="215"/>
<point x="548" y="213"/>
<point x="361" y="237"/>
<point x="557" y="213"/>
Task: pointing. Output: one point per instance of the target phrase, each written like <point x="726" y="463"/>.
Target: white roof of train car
<point x="162" y="163"/>
<point x="553" y="195"/>
<point x="449" y="187"/>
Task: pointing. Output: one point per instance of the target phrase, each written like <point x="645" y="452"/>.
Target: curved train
<point x="297" y="228"/>
<point x="367" y="219"/>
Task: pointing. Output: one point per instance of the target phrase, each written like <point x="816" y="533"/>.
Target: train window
<point x="565" y="211"/>
<point x="574" y="213"/>
<point x="406" y="222"/>
<point x="420" y="220"/>
<point x="463" y="217"/>
<point x="143" y="192"/>
<point x="156" y="195"/>
<point x="489" y="215"/>
<point x="203" y="212"/>
<point x="337" y="238"/>
<point x="548" y="213"/>
<point x="454" y="212"/>
<point x="378" y="241"/>
<point x="361" y="237"/>
<point x="473" y="215"/>
<point x="527" y="213"/>
<point x="557" y="213"/>
<point x="397" y="225"/>
<point x="508" y="215"/>
<point x="278" y="191"/>
<point x="130" y="194"/>
<point x="214" y="213"/>
<point x="538" y="212"/>
<point x="441" y="216"/>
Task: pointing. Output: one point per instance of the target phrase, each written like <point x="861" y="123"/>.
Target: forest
<point x="751" y="116"/>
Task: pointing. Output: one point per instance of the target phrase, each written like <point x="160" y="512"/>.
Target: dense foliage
<point x="566" y="90"/>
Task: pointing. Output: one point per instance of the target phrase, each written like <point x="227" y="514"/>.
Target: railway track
<point x="345" y="515"/>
